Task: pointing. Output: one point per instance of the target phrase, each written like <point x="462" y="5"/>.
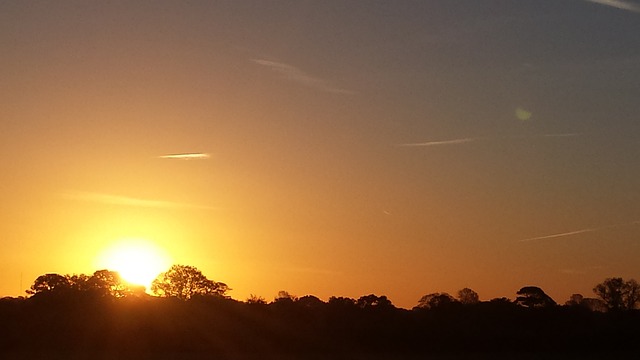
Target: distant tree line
<point x="185" y="282"/>
<point x="191" y="316"/>
<point x="180" y="281"/>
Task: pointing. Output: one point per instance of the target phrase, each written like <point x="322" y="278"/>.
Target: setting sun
<point x="138" y="261"/>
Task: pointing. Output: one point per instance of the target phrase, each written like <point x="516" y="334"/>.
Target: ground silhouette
<point x="81" y="322"/>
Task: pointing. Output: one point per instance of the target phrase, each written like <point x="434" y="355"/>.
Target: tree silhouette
<point x="467" y="296"/>
<point x="49" y="283"/>
<point x="101" y="283"/>
<point x="618" y="294"/>
<point x="533" y="297"/>
<point x="594" y="304"/>
<point x="255" y="299"/>
<point x="79" y="282"/>
<point x="435" y="300"/>
<point x="342" y="302"/>
<point x="78" y="309"/>
<point x="109" y="282"/>
<point x="373" y="301"/>
<point x="284" y="297"/>
<point x="310" y="302"/>
<point x="185" y="282"/>
<point x="632" y="294"/>
<point x="575" y="300"/>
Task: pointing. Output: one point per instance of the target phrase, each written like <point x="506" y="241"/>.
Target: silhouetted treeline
<point x="79" y="324"/>
<point x="149" y="327"/>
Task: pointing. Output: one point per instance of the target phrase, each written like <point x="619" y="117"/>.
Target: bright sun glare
<point x="137" y="261"/>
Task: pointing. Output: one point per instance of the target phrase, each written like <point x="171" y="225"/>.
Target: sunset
<point x="138" y="261"/>
<point x="324" y="148"/>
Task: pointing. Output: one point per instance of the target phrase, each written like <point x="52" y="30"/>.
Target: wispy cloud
<point x="562" y="135"/>
<point x="314" y="271"/>
<point x="294" y="74"/>
<point x="468" y="140"/>
<point x="573" y="271"/>
<point x="619" y="4"/>
<point x="569" y="233"/>
<point x="580" y="271"/>
<point x="576" y="232"/>
<point x="110" y="199"/>
<point x="441" y="142"/>
<point x="186" y="156"/>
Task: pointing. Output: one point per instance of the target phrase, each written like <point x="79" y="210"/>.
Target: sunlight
<point x="138" y="261"/>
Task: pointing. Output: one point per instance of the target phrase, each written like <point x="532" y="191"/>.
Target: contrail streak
<point x="293" y="73"/>
<point x="186" y="156"/>
<point x="562" y="135"/>
<point x="468" y="140"/>
<point x="110" y="199"/>
<point x="444" y="142"/>
<point x="618" y="4"/>
<point x="576" y="232"/>
<point x="561" y="234"/>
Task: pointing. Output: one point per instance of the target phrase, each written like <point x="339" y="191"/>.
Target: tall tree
<point x="101" y="283"/>
<point x="533" y="296"/>
<point x="618" y="294"/>
<point x="467" y="296"/>
<point x="184" y="282"/>
<point x="435" y="300"/>
<point x="310" y="302"/>
<point x="285" y="297"/>
<point x="50" y="283"/>
<point x="372" y="301"/>
<point x="631" y="294"/>
<point x="109" y="282"/>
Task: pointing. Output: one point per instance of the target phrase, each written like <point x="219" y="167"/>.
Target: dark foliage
<point x="210" y="327"/>
<point x="533" y="296"/>
<point x="82" y="325"/>
<point x="185" y="282"/>
<point x="618" y="294"/>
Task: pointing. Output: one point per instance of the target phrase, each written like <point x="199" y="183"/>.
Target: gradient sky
<point x="325" y="147"/>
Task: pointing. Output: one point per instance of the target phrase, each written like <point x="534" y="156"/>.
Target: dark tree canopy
<point x="101" y="283"/>
<point x="111" y="283"/>
<point x="342" y="302"/>
<point x="632" y="294"/>
<point x="284" y="296"/>
<point x="185" y="282"/>
<point x="533" y="297"/>
<point x="374" y="301"/>
<point x="591" y="304"/>
<point x="50" y="283"/>
<point x="467" y="296"/>
<point x="574" y="300"/>
<point x="435" y="300"/>
<point x="83" y="312"/>
<point x="618" y="294"/>
<point x="310" y="302"/>
<point x="256" y="299"/>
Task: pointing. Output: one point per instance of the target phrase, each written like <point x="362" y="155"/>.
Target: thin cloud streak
<point x="619" y="4"/>
<point x="468" y="140"/>
<point x="562" y="135"/>
<point x="186" y="156"/>
<point x="110" y="199"/>
<point x="580" y="271"/>
<point x="314" y="271"/>
<point x="561" y="234"/>
<point x="576" y="232"/>
<point x="294" y="74"/>
<point x="442" y="142"/>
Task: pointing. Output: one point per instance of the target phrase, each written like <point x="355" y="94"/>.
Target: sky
<point x="327" y="147"/>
